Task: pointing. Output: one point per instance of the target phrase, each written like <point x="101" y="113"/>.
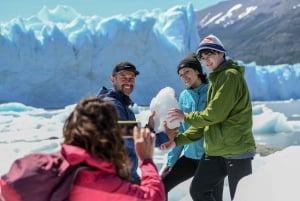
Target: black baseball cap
<point x="125" y="65"/>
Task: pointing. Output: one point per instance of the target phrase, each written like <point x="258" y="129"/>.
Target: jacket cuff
<point x="151" y="129"/>
<point x="143" y="162"/>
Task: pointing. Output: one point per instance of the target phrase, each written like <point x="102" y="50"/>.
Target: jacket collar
<point x="116" y="95"/>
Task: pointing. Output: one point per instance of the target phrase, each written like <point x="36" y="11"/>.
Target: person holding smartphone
<point x="92" y="137"/>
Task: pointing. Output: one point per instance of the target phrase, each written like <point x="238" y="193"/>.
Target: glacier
<point x="56" y="57"/>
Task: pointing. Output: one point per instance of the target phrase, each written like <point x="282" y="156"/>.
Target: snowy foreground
<point x="276" y="180"/>
<point x="274" y="176"/>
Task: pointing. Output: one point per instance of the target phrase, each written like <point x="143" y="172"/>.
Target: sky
<point x="102" y="8"/>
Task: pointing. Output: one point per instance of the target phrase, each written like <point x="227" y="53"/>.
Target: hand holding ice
<point x="164" y="100"/>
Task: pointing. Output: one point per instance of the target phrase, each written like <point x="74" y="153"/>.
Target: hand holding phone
<point x="126" y="128"/>
<point x="144" y="141"/>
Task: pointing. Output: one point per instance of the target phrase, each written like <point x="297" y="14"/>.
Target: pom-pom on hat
<point x="211" y="42"/>
<point x="190" y="61"/>
<point x="122" y="66"/>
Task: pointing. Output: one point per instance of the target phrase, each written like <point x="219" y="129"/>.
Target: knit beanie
<point x="190" y="61"/>
<point x="211" y="42"/>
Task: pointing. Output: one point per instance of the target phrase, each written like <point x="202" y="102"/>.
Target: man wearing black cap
<point x="123" y="81"/>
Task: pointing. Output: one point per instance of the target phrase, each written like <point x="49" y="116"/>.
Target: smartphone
<point x="126" y="128"/>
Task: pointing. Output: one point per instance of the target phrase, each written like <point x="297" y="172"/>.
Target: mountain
<point x="264" y="31"/>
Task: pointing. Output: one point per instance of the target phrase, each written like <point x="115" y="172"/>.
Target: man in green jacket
<point x="225" y="123"/>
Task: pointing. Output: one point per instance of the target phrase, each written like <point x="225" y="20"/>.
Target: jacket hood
<point x="231" y="64"/>
<point x="226" y="65"/>
<point x="76" y="155"/>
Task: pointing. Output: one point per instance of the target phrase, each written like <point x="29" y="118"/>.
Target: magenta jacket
<point x="102" y="183"/>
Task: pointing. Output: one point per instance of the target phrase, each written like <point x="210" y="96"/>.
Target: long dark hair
<point x="93" y="126"/>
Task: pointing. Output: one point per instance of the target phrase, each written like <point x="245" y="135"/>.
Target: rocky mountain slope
<point x="264" y="31"/>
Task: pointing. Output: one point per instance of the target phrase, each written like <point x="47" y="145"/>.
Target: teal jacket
<point x="226" y="122"/>
<point x="189" y="100"/>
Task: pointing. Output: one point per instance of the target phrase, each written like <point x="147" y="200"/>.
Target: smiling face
<point x="190" y="77"/>
<point x="211" y="59"/>
<point x="124" y="81"/>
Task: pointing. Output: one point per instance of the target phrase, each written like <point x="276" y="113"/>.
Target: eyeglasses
<point x="206" y="57"/>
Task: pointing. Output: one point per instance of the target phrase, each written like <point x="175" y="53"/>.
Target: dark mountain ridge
<point x="264" y="31"/>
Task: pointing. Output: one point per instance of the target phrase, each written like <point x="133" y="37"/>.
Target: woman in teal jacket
<point x="225" y="123"/>
<point x="183" y="160"/>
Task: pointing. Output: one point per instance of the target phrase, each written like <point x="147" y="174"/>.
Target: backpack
<point x="39" y="177"/>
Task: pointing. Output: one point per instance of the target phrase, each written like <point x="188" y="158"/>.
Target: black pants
<point x="212" y="170"/>
<point x="184" y="169"/>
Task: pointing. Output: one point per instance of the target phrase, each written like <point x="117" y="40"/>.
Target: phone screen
<point x="126" y="128"/>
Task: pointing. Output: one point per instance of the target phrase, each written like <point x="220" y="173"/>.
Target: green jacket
<point x="226" y="122"/>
